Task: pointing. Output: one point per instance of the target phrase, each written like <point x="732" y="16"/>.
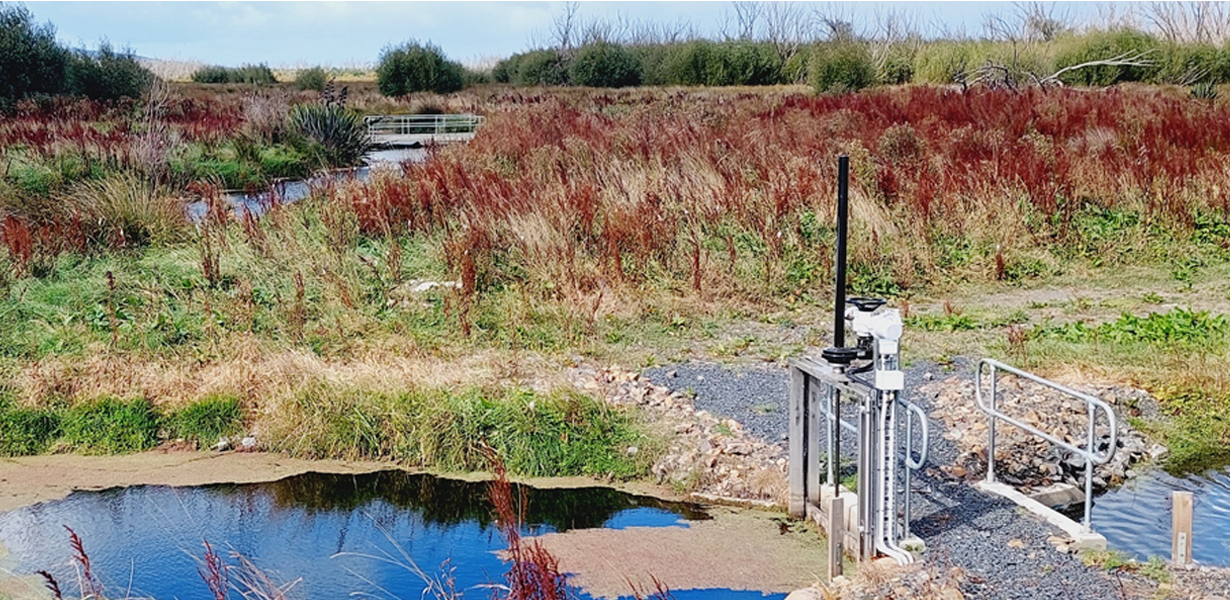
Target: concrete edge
<point x="1086" y="540"/>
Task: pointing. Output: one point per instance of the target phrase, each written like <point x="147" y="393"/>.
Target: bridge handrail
<point x="426" y="124"/>
<point x="1092" y="406"/>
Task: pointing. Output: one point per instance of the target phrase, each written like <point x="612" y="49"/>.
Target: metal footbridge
<point x="413" y="131"/>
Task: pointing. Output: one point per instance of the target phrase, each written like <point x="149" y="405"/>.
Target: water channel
<point x="295" y="190"/>
<point x="1136" y="518"/>
<point x="338" y="535"/>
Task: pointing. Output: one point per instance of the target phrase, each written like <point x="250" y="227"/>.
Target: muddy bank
<point x="738" y="550"/>
<point x="32" y="479"/>
<point x="29" y="480"/>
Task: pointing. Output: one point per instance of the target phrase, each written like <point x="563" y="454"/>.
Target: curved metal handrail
<point x="1092" y="406"/>
<point x="1090" y="401"/>
<point x="910" y="462"/>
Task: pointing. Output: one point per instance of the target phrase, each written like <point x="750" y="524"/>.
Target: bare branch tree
<point x="564" y="27"/>
<point x="785" y="28"/>
<point x="1113" y="15"/>
<point x="1127" y="59"/>
<point x="835" y="21"/>
<point x="1190" y="22"/>
<point x="746" y="16"/>
<point x="1043" y="21"/>
<point x="892" y="30"/>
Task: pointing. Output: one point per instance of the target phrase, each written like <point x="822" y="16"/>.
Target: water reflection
<point x="1136" y="518"/>
<point x="287" y="192"/>
<point x="294" y="527"/>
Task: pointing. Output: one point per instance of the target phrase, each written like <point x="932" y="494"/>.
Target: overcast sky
<point x="353" y="33"/>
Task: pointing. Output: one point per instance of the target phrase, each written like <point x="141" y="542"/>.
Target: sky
<point x="343" y="34"/>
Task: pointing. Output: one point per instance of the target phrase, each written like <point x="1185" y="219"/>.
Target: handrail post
<point x="909" y="447"/>
<point x="1087" y="522"/>
<point x="991" y="428"/>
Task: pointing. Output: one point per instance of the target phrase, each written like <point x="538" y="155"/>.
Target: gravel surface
<point x="961" y="526"/>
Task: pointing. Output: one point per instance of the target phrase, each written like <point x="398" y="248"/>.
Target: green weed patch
<point x="25" y="431"/>
<point x="1178" y="326"/>
<point x="537" y="435"/>
<point x="206" y="420"/>
<point x="111" y="426"/>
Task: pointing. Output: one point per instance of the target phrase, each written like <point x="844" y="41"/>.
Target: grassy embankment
<point x="638" y="227"/>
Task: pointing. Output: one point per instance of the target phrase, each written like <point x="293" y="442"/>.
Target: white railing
<point x="378" y="125"/>
<point x="1092" y="405"/>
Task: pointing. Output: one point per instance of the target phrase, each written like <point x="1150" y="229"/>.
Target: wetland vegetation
<point x="440" y="300"/>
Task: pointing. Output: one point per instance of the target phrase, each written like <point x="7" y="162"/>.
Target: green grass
<point x="558" y="434"/>
<point x="206" y="420"/>
<point x="555" y="434"/>
<point x="1175" y="327"/>
<point x="1115" y="560"/>
<point x="1196" y="430"/>
<point x="111" y="426"/>
<point x="25" y="431"/>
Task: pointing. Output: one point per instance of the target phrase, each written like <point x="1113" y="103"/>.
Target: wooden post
<point x="798" y="444"/>
<point x="1181" y="536"/>
<point x="837" y="518"/>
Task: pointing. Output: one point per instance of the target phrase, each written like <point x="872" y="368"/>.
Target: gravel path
<point x="961" y="526"/>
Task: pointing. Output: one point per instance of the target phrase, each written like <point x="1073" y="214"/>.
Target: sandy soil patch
<point x="739" y="550"/>
<point x="33" y="479"/>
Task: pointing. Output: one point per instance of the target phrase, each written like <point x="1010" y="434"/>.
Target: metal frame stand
<point x="876" y="385"/>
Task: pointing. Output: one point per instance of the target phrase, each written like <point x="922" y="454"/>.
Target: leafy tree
<point x="605" y="65"/>
<point x="840" y="67"/>
<point x="31" y="62"/>
<point x="414" y="67"/>
<point x="108" y="75"/>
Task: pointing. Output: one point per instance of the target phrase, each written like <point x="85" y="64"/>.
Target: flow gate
<point x="866" y="377"/>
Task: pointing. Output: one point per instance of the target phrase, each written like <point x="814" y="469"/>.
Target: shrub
<point x="537" y="67"/>
<point x="413" y="67"/>
<point x="311" y="79"/>
<point x="111" y="426"/>
<point x="604" y="65"/>
<point x="503" y="71"/>
<point x="108" y="75"/>
<point x="1186" y="64"/>
<point x="250" y="74"/>
<point x="471" y="77"/>
<point x="654" y="60"/>
<point x="841" y="67"/>
<point x="338" y="131"/>
<point x="207" y="420"/>
<point x="212" y="74"/>
<point x="702" y="62"/>
<point x="1102" y="45"/>
<point x="540" y="67"/>
<point x="945" y="62"/>
<point x="124" y="211"/>
<point x="746" y="63"/>
<point x="31" y="62"/>
<point x="690" y="64"/>
<point x="897" y="66"/>
<point x="796" y="67"/>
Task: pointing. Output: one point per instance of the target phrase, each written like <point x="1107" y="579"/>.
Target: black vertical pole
<point x="843" y="217"/>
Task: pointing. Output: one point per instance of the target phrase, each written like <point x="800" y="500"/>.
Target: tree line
<point x="34" y="64"/>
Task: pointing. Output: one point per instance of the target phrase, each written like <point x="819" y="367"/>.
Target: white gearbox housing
<point x="885" y="328"/>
